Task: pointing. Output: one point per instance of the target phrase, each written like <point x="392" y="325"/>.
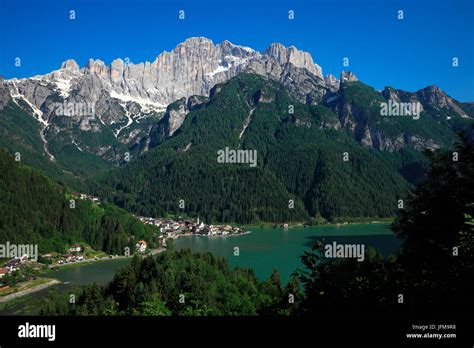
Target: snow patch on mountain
<point x="219" y="69"/>
<point x="246" y="123"/>
<point x="64" y="87"/>
<point x="129" y="120"/>
<point x="146" y="105"/>
<point x="16" y="95"/>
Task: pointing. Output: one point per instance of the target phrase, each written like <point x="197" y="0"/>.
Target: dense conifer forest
<point x="36" y="210"/>
<point x="434" y="266"/>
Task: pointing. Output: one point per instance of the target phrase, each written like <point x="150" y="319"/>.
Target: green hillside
<point x="20" y="133"/>
<point x="300" y="158"/>
<point x="36" y="210"/>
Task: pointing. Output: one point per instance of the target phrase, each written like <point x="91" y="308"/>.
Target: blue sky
<point x="382" y="50"/>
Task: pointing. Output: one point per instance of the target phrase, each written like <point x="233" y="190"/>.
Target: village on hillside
<point x="81" y="252"/>
<point x="170" y="228"/>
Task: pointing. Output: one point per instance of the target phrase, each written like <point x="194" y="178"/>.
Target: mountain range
<point x="146" y="135"/>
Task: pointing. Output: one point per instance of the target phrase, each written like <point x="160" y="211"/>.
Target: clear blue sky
<point x="408" y="54"/>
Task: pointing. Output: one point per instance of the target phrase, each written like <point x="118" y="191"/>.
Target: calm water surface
<point x="262" y="250"/>
<point x="268" y="248"/>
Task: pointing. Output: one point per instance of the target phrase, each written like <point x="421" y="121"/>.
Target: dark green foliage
<point x="438" y="219"/>
<point x="365" y="102"/>
<point x="360" y="104"/>
<point x="300" y="158"/>
<point x="429" y="269"/>
<point x="19" y="275"/>
<point x="179" y="283"/>
<point x="35" y="210"/>
<point x="20" y="133"/>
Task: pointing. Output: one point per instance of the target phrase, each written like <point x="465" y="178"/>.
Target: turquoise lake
<point x="262" y="250"/>
<point x="268" y="248"/>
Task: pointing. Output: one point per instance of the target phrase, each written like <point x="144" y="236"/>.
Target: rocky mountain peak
<point x="193" y="67"/>
<point x="299" y="59"/>
<point x="193" y="45"/>
<point x="432" y="89"/>
<point x="124" y="94"/>
<point x="196" y="40"/>
<point x="330" y="78"/>
<point x="117" y="68"/>
<point x="348" y="76"/>
<point x="277" y="51"/>
<point x="95" y="67"/>
<point x="70" y="64"/>
<point x="434" y="96"/>
<point x="332" y="82"/>
<point x="390" y="94"/>
<point x="228" y="48"/>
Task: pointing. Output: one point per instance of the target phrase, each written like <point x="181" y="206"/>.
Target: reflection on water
<point x="268" y="248"/>
<point x="100" y="272"/>
<point x="262" y="250"/>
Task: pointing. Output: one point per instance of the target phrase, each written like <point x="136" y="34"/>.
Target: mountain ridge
<point x="89" y="125"/>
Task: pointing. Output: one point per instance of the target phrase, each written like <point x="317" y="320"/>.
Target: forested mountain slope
<point x="36" y="210"/>
<point x="302" y="156"/>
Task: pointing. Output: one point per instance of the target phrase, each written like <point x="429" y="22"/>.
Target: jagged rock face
<point x="174" y="117"/>
<point x="434" y="95"/>
<point x="371" y="129"/>
<point x="141" y="105"/>
<point x="382" y="142"/>
<point x="70" y="64"/>
<point x="331" y="82"/>
<point x="194" y="67"/>
<point x="430" y="97"/>
<point x="376" y="139"/>
<point x="354" y="119"/>
<point x="348" y="76"/>
<point x="366" y="139"/>
<point x="196" y="101"/>
<point x="435" y="98"/>
<point x="35" y="92"/>
<point x="302" y="84"/>
<point x="110" y="112"/>
<point x="400" y="96"/>
<point x="269" y="67"/>
<point x="291" y="55"/>
<point x="390" y="94"/>
<point x="4" y="94"/>
<point x="306" y="87"/>
<point x="348" y="116"/>
<point x="90" y="87"/>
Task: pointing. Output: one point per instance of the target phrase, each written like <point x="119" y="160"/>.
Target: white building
<point x="141" y="246"/>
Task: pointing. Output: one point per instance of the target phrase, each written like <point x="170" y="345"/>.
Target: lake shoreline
<point x="21" y="293"/>
<point x="268" y="248"/>
<point x="213" y="236"/>
<point x="262" y="251"/>
<point x="273" y="225"/>
<point x="87" y="262"/>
